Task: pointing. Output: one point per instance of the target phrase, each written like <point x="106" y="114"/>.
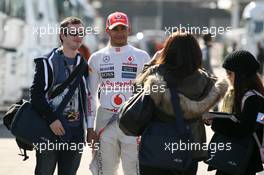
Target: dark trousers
<point x="145" y="170"/>
<point x="218" y="172"/>
<point x="68" y="162"/>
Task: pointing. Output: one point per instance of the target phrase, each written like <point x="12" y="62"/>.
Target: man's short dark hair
<point x="66" y="22"/>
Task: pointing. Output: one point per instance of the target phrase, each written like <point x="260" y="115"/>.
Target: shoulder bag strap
<point x="180" y="123"/>
<point x="72" y="88"/>
<point x="69" y="80"/>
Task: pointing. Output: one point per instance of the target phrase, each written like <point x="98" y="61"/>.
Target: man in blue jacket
<point x="52" y="70"/>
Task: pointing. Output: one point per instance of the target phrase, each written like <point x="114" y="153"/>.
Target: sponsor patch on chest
<point x="129" y="75"/>
<point x="107" y="68"/>
<point x="129" y="69"/>
<point x="105" y="75"/>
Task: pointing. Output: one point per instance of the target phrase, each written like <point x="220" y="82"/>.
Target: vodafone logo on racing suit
<point x="117" y="100"/>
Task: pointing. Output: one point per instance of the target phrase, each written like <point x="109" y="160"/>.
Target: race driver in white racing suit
<point x="112" y="71"/>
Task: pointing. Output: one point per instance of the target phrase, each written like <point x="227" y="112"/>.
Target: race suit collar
<point x="118" y="49"/>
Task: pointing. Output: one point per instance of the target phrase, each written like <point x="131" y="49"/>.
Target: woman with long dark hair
<point x="241" y="70"/>
<point x="179" y="66"/>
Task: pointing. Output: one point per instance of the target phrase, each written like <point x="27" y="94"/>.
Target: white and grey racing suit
<point x="112" y="71"/>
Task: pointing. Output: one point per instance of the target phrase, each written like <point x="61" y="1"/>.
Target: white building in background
<point x="252" y="31"/>
<point x="26" y="31"/>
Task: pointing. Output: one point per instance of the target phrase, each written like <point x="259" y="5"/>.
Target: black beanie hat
<point x="242" y="62"/>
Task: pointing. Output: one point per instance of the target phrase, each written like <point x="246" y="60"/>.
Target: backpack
<point x="8" y="119"/>
<point x="260" y="145"/>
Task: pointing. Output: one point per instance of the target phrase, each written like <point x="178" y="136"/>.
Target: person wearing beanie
<point x="241" y="62"/>
<point x="244" y="99"/>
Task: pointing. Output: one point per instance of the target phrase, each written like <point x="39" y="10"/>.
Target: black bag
<point x="136" y="113"/>
<point x="10" y="114"/>
<point x="159" y="138"/>
<point x="29" y="126"/>
<point x="234" y="160"/>
<point x="8" y="119"/>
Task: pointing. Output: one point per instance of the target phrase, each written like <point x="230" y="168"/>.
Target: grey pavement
<point x="12" y="164"/>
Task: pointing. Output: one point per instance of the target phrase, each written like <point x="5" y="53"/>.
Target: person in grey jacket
<point x="179" y="65"/>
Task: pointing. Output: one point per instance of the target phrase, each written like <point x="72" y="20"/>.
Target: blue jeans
<point x="68" y="162"/>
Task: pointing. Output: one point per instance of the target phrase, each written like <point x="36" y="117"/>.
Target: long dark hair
<point x="244" y="83"/>
<point x="182" y="53"/>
